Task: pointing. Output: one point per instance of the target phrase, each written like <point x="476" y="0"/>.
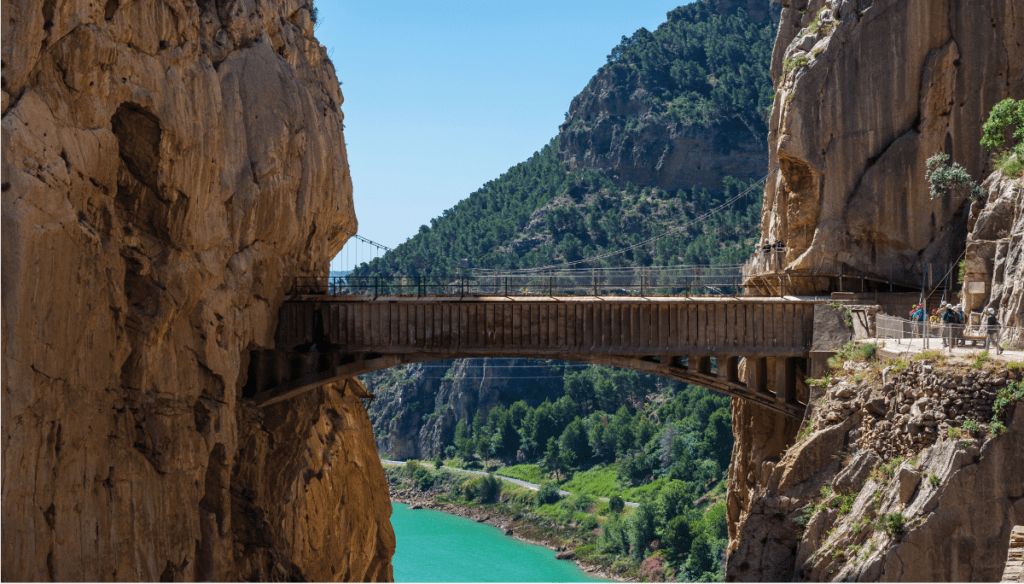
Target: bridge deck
<point x="647" y="326"/>
<point x="322" y="338"/>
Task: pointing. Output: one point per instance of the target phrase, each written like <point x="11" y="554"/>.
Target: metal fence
<point x="670" y="281"/>
<point x="933" y="335"/>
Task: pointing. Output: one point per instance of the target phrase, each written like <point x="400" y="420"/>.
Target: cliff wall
<point x="167" y="167"/>
<point x="866" y="92"/>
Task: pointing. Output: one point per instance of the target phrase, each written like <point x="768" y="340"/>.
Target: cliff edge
<point x="168" y="166"/>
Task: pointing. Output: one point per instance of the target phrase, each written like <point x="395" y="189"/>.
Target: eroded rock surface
<point x="866" y="92"/>
<point x="994" y="267"/>
<point x="168" y="166"/>
<point x="924" y="491"/>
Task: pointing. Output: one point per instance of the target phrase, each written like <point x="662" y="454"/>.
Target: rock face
<point x="994" y="266"/>
<point x="418" y="406"/>
<point x="866" y="92"/>
<point x="617" y="126"/>
<point x="913" y="494"/>
<point x="167" y="168"/>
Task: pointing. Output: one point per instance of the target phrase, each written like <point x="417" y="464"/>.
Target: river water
<point x="437" y="547"/>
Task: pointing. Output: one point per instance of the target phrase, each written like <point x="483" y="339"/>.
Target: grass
<point x="934" y="480"/>
<point x="600" y="481"/>
<point x="931" y="355"/>
<point x="853" y="351"/>
<point x="982" y="358"/>
<point x="530" y="473"/>
<point x="1010" y="164"/>
<point x="796" y="63"/>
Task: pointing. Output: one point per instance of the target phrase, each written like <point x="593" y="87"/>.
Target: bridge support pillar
<point x="701" y="365"/>
<point x="785" y="380"/>
<point x="728" y="368"/>
<point x="757" y="375"/>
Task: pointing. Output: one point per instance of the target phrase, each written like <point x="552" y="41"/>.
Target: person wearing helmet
<point x="948" y="324"/>
<point x="993" y="331"/>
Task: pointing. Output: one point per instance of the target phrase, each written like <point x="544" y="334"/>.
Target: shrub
<point x="893" y="523"/>
<point x="547" y="494"/>
<point x="484" y="489"/>
<point x="616" y="504"/>
<point x="438" y="462"/>
<point x="944" y="178"/>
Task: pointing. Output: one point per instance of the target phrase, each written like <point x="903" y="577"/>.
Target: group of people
<point x="953" y="318"/>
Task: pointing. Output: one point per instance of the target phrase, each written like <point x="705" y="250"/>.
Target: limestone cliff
<point x="167" y="167"/>
<point x="994" y="265"/>
<point x="898" y="475"/>
<point x="866" y="92"/>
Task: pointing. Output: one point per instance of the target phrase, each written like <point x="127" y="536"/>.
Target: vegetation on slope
<point x="701" y="67"/>
<point x="538" y="213"/>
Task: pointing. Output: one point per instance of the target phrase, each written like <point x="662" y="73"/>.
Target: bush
<point x="893" y="523"/>
<point x="548" y="493"/>
<point x="484" y="489"/>
<point x="944" y="178"/>
<point x="616" y="504"/>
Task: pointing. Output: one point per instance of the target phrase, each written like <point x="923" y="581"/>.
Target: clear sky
<point x="441" y="97"/>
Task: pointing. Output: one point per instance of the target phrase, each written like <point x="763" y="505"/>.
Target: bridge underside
<point x="277" y="376"/>
<point x="323" y="340"/>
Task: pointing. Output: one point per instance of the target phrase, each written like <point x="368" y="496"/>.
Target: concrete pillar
<point x="785" y="380"/>
<point x="728" y="368"/>
<point x="757" y="375"/>
<point x="701" y="365"/>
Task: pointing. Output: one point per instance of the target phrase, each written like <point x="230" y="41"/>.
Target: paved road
<point x="521" y="483"/>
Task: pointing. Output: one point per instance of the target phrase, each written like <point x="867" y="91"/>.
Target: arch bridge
<point x="323" y="338"/>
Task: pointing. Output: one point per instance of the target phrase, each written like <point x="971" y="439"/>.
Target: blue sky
<point x="441" y="97"/>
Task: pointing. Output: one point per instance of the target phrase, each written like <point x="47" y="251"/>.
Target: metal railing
<point x="938" y="335"/>
<point x="672" y="281"/>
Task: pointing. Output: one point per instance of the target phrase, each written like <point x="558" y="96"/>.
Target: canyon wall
<point x="866" y="92"/>
<point x="168" y="166"/>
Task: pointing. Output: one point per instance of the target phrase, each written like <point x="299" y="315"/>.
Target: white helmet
<point x="991" y="310"/>
<point x="943" y="305"/>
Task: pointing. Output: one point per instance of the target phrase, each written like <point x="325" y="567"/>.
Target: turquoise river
<point x="437" y="547"/>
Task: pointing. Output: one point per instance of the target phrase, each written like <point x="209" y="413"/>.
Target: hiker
<point x="918" y="317"/>
<point x="961" y="321"/>
<point x="993" y="331"/>
<point x="948" y="323"/>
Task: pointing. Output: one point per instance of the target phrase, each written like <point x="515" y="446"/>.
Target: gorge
<point x="169" y="166"/>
